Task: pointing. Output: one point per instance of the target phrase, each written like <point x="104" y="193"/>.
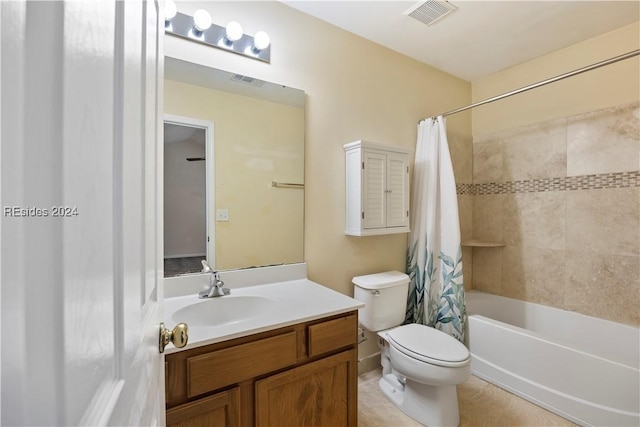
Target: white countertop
<point x="291" y="302"/>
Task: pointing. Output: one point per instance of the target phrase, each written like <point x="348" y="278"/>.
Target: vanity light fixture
<point x="261" y="41"/>
<point x="170" y="10"/>
<point x="201" y="21"/>
<point x="232" y="33"/>
<point x="200" y="28"/>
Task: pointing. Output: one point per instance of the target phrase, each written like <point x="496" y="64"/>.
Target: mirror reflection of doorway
<point x="185" y="201"/>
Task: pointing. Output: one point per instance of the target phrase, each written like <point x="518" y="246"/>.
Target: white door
<point x="81" y="254"/>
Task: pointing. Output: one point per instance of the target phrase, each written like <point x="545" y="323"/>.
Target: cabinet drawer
<point x="221" y="368"/>
<point x="333" y="334"/>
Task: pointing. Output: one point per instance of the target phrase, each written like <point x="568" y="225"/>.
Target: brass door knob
<point x="179" y="336"/>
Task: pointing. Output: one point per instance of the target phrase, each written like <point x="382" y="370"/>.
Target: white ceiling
<point x="481" y="37"/>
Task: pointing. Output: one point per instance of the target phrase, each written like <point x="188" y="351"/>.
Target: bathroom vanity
<point x="294" y="363"/>
<point x="288" y="376"/>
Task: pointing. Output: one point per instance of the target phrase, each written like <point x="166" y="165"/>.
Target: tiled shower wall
<point x="564" y="197"/>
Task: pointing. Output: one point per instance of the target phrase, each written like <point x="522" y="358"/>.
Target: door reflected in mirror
<point x="186" y="238"/>
<point x="257" y="139"/>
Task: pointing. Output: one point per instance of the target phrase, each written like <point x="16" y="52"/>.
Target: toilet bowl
<point x="427" y="355"/>
<point x="420" y="365"/>
<point x="420" y="369"/>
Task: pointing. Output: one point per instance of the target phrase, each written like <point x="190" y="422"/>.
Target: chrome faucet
<point x="216" y="286"/>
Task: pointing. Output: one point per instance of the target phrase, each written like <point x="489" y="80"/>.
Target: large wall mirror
<point x="234" y="170"/>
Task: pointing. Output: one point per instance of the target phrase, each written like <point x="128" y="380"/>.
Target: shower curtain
<point x="434" y="253"/>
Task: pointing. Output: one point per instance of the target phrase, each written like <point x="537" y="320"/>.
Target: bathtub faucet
<point x="216" y="285"/>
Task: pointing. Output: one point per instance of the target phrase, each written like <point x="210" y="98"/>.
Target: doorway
<point x="188" y="195"/>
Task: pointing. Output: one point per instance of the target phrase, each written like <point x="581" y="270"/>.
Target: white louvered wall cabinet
<point x="377" y="179"/>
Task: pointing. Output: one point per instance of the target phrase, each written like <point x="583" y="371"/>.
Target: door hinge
<point x="362" y="215"/>
<point x="407" y="169"/>
<point x="362" y="165"/>
<point x="407" y="214"/>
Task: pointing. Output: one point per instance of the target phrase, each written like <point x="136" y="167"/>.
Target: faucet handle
<point x="205" y="266"/>
<point x="217" y="280"/>
<point x="216" y="285"/>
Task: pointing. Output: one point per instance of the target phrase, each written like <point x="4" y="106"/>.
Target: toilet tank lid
<point x="386" y="279"/>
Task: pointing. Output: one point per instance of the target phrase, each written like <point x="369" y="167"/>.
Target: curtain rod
<point x="546" y="82"/>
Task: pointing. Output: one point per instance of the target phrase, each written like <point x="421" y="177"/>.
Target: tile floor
<point x="481" y="405"/>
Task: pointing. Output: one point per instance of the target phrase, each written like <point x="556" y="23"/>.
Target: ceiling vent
<point x="247" y="80"/>
<point x="431" y="11"/>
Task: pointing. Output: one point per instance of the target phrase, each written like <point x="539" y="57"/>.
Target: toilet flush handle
<point x="376" y="293"/>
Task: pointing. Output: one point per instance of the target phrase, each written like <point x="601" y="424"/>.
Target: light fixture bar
<point x="182" y="25"/>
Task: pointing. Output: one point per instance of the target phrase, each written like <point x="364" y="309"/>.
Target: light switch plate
<point x="222" y="215"/>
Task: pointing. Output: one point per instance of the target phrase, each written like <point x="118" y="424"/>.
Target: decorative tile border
<point x="465" y="189"/>
<point x="582" y="182"/>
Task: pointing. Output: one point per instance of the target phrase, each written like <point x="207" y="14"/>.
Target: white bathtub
<point x="582" y="368"/>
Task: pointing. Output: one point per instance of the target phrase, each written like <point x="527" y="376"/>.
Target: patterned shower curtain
<point x="434" y="254"/>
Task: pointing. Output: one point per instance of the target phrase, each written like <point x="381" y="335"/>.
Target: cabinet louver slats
<point x="397" y="206"/>
<point x="374" y="193"/>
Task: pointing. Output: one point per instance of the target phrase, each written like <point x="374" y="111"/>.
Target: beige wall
<point x="613" y="85"/>
<point x="355" y="89"/>
<point x="556" y="177"/>
<point x="255" y="142"/>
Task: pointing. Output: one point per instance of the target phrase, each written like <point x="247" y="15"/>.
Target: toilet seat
<point x="429" y="345"/>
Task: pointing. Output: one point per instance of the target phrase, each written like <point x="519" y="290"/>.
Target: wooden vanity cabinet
<point x="301" y="375"/>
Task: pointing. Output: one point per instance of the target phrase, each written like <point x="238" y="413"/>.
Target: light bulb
<point x="234" y="31"/>
<point x="170" y="10"/>
<point x="201" y="20"/>
<point x="261" y="40"/>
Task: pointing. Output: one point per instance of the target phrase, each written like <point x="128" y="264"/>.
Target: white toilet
<point x="420" y="365"/>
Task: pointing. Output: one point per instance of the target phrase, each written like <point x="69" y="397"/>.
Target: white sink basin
<point x="251" y="309"/>
<point x="224" y="310"/>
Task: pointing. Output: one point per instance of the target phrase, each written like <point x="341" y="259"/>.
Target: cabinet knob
<point x="179" y="336"/>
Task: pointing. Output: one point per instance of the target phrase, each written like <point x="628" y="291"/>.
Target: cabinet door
<point x="321" y="393"/>
<point x="220" y="410"/>
<point x="374" y="190"/>
<point x="397" y="203"/>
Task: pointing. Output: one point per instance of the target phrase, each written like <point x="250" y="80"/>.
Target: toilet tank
<point x="385" y="299"/>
